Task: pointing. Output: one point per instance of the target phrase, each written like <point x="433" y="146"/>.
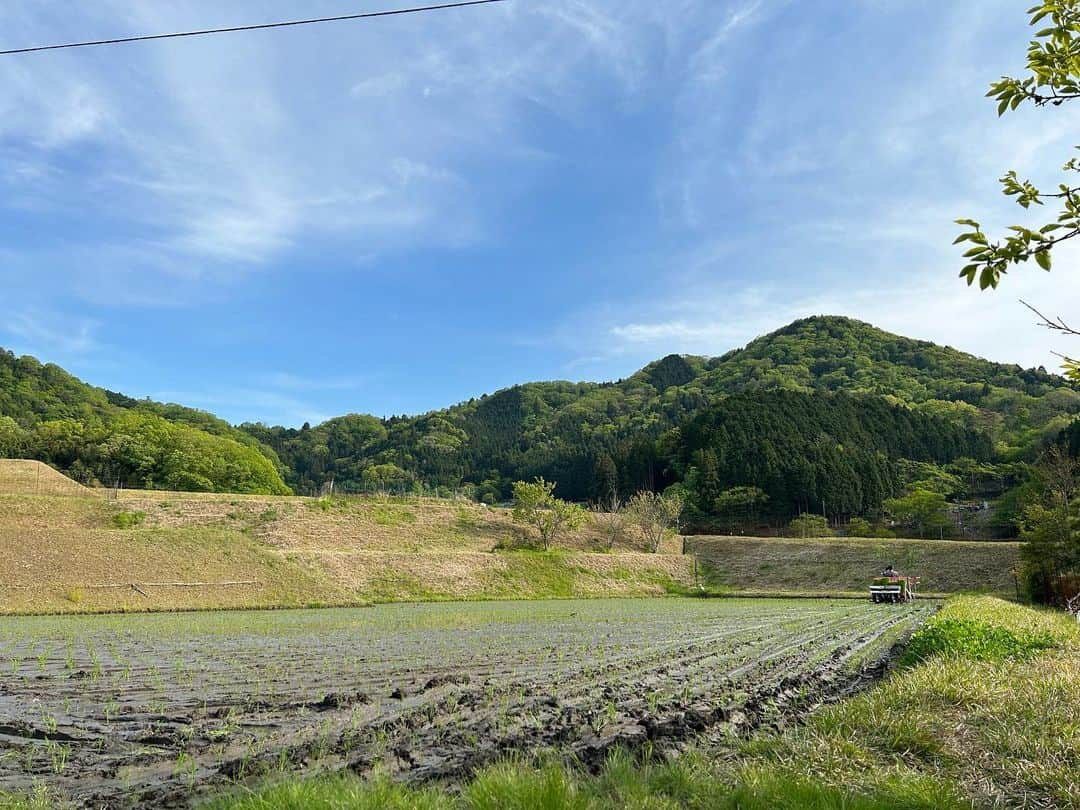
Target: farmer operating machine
<point x="891" y="587"/>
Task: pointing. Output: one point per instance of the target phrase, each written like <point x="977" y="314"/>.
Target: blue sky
<point x="393" y="215"/>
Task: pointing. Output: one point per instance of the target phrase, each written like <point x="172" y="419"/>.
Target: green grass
<point x="39" y="800"/>
<point x="545" y="573"/>
<point x="522" y="574"/>
<point x="989" y="710"/>
<point x="127" y="520"/>
<point x="333" y="793"/>
<point x="972" y="723"/>
<point x="985" y="630"/>
<point x="691" y="781"/>
<point x="390" y="514"/>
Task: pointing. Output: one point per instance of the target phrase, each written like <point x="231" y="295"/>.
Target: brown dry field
<point x="840" y="564"/>
<point x="358" y="523"/>
<point x="66" y="552"/>
<point x="70" y="551"/>
<point x="20" y="477"/>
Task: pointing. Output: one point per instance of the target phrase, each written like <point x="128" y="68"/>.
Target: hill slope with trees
<point x="592" y="438"/>
<point x="101" y="436"/>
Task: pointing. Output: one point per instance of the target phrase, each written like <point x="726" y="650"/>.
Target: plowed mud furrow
<point x="136" y="719"/>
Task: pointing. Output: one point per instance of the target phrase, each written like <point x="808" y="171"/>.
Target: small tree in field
<point x="808" y="525"/>
<point x="535" y="505"/>
<point x="1060" y="474"/>
<point x="655" y="515"/>
<point x="611" y="518"/>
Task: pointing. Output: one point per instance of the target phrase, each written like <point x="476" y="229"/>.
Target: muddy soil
<point x="134" y="711"/>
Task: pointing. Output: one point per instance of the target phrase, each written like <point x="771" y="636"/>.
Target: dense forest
<point x="827" y="408"/>
<point x="834" y="454"/>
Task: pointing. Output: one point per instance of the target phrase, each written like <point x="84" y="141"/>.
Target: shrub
<point x="858" y="527"/>
<point x="128" y="520"/>
<point x="535" y="505"/>
<point x="808" y="525"/>
<point x="656" y="514"/>
<point x="323" y="504"/>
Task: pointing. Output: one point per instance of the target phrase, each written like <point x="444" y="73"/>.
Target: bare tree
<point x="1058" y="472"/>
<point x="655" y="515"/>
<point x="611" y="518"/>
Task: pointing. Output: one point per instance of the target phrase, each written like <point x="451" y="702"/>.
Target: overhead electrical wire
<point x="255" y="27"/>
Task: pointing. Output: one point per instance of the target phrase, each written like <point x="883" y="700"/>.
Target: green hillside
<point x="589" y="437"/>
<point x="803" y="452"/>
<point x="583" y="435"/>
<point x="100" y="436"/>
<point x="1021" y="408"/>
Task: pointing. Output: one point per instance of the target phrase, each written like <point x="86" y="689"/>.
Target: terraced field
<point x="152" y="710"/>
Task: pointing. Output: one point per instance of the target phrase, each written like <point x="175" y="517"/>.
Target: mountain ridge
<point x="561" y="429"/>
<point x="1021" y="408"/>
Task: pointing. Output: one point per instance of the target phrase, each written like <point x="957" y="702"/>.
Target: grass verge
<point x="982" y="714"/>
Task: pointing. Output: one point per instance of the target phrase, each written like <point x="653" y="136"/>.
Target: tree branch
<point x="1056" y="324"/>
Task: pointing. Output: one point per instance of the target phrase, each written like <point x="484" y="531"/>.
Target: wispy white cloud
<point x="49" y="333"/>
<point x="284" y="380"/>
<point x="674" y="333"/>
<point x="231" y="151"/>
<point x="278" y="408"/>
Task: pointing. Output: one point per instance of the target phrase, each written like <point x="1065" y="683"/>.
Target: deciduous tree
<point x="810" y="525"/>
<point x="611" y="518"/>
<point x="1052" y="79"/>
<point x="535" y="505"/>
<point x="655" y="515"/>
<point x="920" y="509"/>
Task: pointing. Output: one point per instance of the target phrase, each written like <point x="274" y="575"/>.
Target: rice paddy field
<point x="163" y="709"/>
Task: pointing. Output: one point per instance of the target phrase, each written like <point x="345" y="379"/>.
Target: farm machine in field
<point x="892" y="588"/>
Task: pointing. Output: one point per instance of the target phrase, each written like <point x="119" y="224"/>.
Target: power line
<point x="258" y="27"/>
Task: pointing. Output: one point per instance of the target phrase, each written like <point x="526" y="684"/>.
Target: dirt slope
<point x="21" y="477"/>
<point x="154" y="550"/>
<point x="160" y="550"/>
<point x="841" y="564"/>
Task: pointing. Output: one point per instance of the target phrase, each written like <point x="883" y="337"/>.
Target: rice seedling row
<point x="139" y="710"/>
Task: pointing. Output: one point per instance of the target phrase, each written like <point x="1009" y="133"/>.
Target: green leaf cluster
<point x="1053" y="63"/>
<point x="536" y="506"/>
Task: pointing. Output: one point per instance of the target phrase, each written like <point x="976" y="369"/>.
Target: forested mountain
<point x="589" y="437"/>
<point x="1021" y="408"/>
<point x="832" y="453"/>
<point x="585" y="434"/>
<point x="97" y="435"/>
